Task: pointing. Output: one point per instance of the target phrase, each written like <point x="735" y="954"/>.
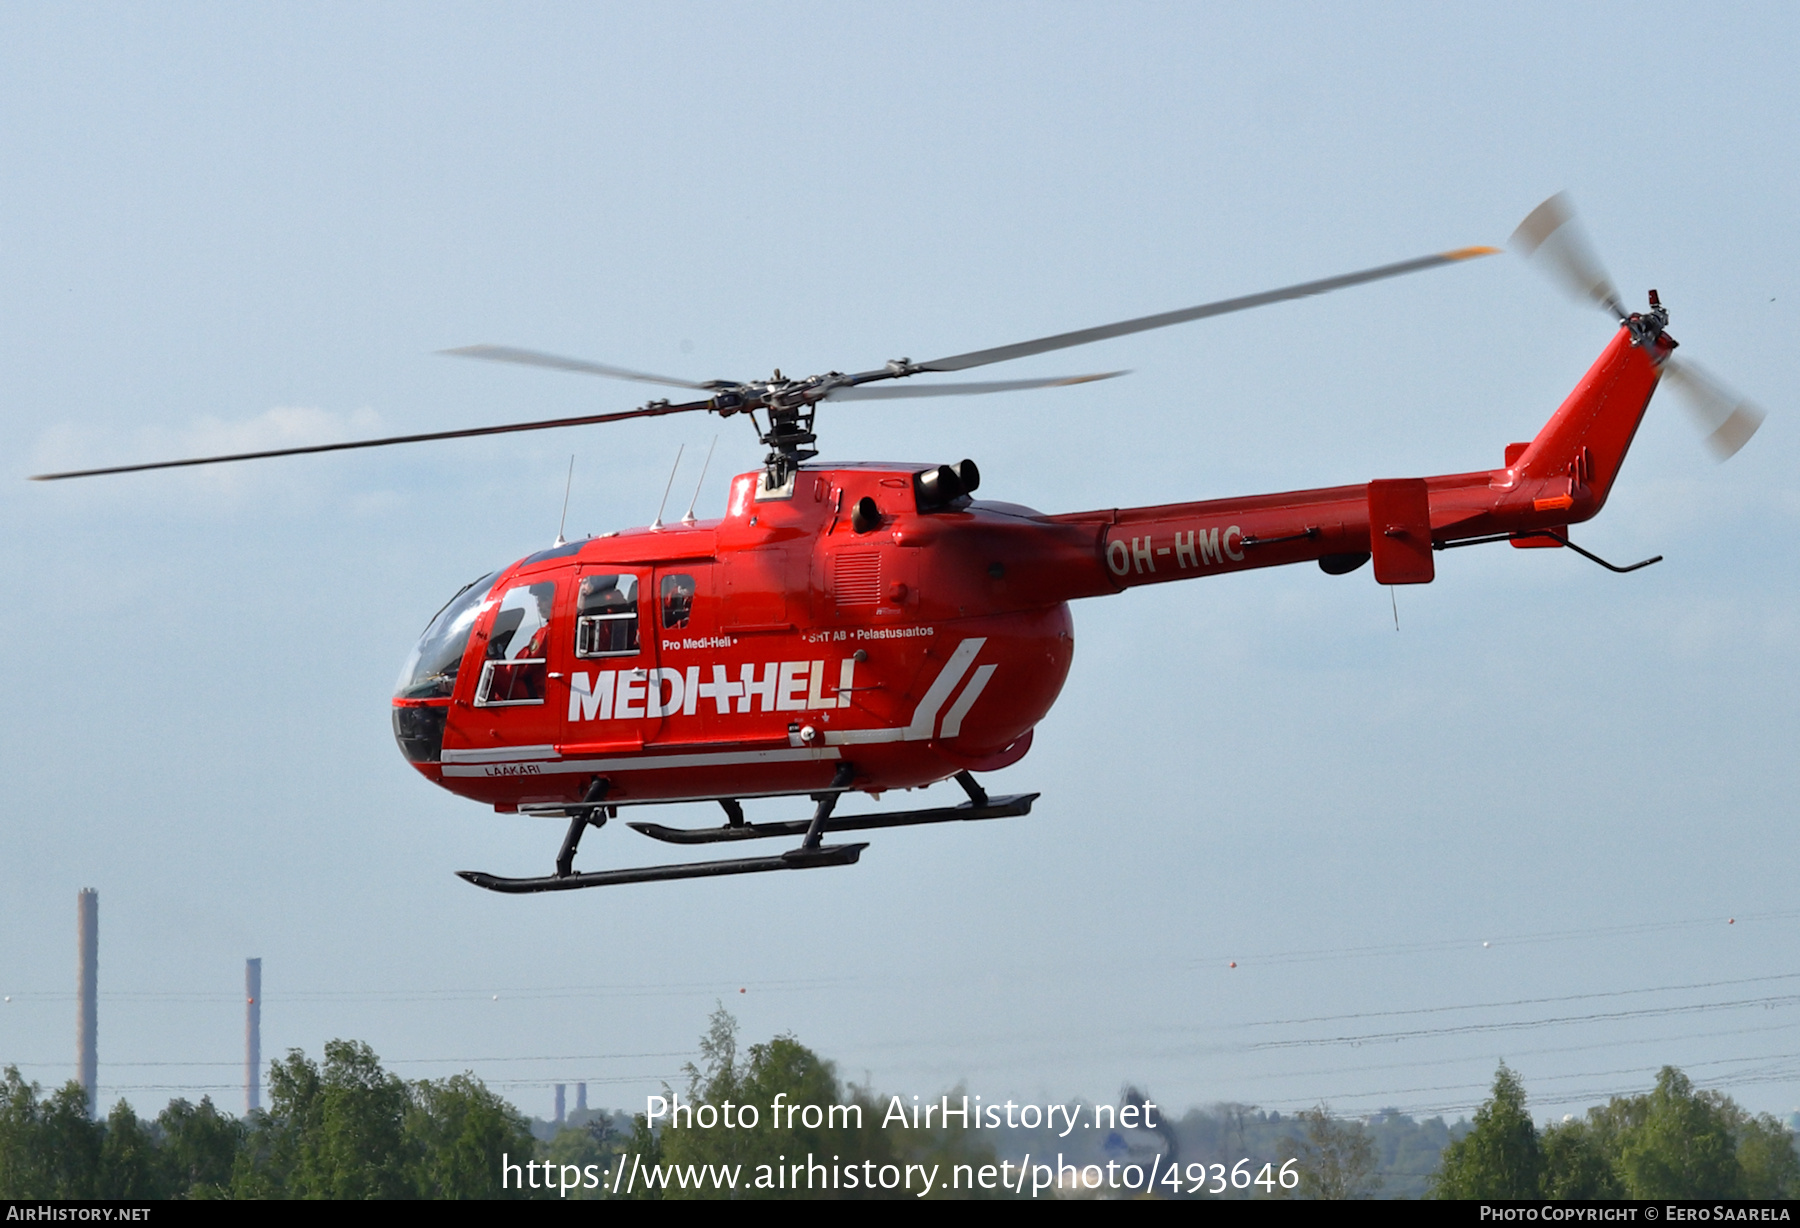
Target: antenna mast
<point x="657" y="524"/>
<point x="688" y="516"/>
<point x="561" y="524"/>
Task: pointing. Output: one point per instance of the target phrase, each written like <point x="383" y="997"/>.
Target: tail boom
<point x="1561" y="477"/>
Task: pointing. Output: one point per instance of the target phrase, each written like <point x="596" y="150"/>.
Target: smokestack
<point x="252" y="1035"/>
<point x="87" y="985"/>
<point x="559" y="1102"/>
<point x="581" y="1097"/>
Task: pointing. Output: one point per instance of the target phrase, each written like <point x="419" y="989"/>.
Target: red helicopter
<point x="865" y="627"/>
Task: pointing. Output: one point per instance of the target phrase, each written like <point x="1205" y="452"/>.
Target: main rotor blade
<point x="1084" y="336"/>
<point x="1727" y="418"/>
<point x="532" y="358"/>
<point x="648" y="411"/>
<point x="894" y="393"/>
<point x="1551" y="235"/>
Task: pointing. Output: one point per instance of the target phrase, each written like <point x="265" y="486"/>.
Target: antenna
<point x="657" y="524"/>
<point x="688" y="517"/>
<point x="567" y="483"/>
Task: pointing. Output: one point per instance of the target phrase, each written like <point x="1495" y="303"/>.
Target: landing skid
<point x="1009" y="807"/>
<point x="793" y="859"/>
<point x="593" y="811"/>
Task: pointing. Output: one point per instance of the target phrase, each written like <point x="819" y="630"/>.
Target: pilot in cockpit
<point x="539" y="645"/>
<point x="678" y="601"/>
<point x="601" y="595"/>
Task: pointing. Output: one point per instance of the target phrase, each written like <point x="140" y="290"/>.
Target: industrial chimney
<point x="87" y="985"/>
<point x="252" y="1035"/>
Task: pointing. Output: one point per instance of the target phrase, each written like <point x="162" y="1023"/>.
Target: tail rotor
<point x="1552" y="238"/>
<point x="1727" y="419"/>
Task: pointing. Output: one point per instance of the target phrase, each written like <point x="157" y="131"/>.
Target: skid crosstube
<point x="793" y="859"/>
<point x="1008" y="807"/>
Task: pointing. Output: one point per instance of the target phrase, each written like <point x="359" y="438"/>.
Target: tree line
<point x="1671" y="1142"/>
<point x="348" y="1129"/>
<point x="345" y="1128"/>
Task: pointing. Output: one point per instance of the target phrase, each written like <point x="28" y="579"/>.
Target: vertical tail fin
<point x="1580" y="450"/>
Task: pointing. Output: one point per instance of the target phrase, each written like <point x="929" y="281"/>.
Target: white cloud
<point x="281" y="427"/>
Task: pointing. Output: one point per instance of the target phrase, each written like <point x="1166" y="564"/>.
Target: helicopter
<point x="863" y="627"/>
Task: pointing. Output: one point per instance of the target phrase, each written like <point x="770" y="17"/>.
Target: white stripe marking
<point x="954" y="718"/>
<point x="924" y="721"/>
<point x="858" y="737"/>
<point x="650" y="763"/>
<point x="499" y="754"/>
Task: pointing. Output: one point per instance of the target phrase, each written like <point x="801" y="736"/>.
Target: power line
<point x="1452" y="944"/>
<point x="610" y="1080"/>
<point x="516" y="993"/>
<point x="1466" y="1029"/>
<point x="1478" y="1006"/>
<point x="404" y="1061"/>
<point x="1605" y="1044"/>
<point x="1541" y="1079"/>
<point x="1225" y="1029"/>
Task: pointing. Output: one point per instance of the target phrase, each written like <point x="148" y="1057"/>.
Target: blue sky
<point x="237" y="226"/>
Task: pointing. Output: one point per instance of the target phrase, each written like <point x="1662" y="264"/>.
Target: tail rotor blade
<point x="1728" y="419"/>
<point x="1552" y="237"/>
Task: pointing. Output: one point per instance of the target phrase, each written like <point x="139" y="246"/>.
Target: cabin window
<point x="677" y="601"/>
<point x="430" y="670"/>
<point x="606" y="616"/>
<point x="517" y="648"/>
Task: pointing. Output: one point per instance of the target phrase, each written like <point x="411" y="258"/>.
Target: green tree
<point x="457" y="1134"/>
<point x="785" y="1071"/>
<point x="331" y="1132"/>
<point x="782" y="1070"/>
<point x="270" y="1155"/>
<point x="1578" y="1159"/>
<point x="594" y="1144"/>
<point x="1768" y="1165"/>
<point x="1336" y="1159"/>
<point x="645" y="1145"/>
<point x="200" y="1145"/>
<point x="30" y="1164"/>
<point x="69" y="1144"/>
<point x="1672" y="1142"/>
<point x="346" y="1129"/>
<point x="1681" y="1144"/>
<point x="717" y="1081"/>
<point x="130" y="1166"/>
<point x="1500" y="1157"/>
<point x="18" y="1137"/>
<point x="49" y="1148"/>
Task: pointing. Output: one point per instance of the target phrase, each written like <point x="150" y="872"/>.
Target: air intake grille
<point x="856" y="579"/>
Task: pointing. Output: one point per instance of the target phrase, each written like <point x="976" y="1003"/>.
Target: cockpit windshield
<point x="430" y="672"/>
